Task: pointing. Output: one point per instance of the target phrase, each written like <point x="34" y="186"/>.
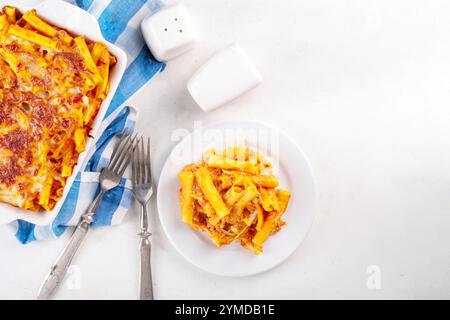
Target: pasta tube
<point x="211" y="193"/>
<point x="187" y="184"/>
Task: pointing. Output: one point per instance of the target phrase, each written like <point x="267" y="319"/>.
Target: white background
<point x="363" y="87"/>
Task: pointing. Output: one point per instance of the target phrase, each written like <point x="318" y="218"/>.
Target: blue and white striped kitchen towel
<point x="119" y="21"/>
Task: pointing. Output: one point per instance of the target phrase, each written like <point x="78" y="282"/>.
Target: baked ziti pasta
<point x="232" y="195"/>
<point x="52" y="85"/>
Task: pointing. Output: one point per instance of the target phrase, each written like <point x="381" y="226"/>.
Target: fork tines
<point x="142" y="168"/>
<point x="122" y="153"/>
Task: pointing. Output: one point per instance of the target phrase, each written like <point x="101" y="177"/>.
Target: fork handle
<point x="145" y="248"/>
<point x="59" y="269"/>
<point x="57" y="272"/>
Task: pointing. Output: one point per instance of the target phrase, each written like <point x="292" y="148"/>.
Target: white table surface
<point x="363" y="87"/>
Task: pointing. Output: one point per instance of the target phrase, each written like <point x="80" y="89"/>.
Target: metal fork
<point x="109" y="179"/>
<point x="143" y="190"/>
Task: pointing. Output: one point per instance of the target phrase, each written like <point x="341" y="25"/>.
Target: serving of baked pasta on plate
<point x="52" y="83"/>
<point x="232" y="195"/>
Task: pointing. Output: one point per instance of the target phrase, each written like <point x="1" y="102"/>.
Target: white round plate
<point x="289" y="165"/>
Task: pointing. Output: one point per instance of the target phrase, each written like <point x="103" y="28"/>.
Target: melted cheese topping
<point x="48" y="101"/>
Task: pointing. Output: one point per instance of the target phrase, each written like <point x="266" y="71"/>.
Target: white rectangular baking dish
<point x="80" y="22"/>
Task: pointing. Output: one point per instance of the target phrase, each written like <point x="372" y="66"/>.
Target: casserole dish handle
<point x="68" y="15"/>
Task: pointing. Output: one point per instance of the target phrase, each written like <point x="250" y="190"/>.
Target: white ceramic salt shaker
<point x="169" y="32"/>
